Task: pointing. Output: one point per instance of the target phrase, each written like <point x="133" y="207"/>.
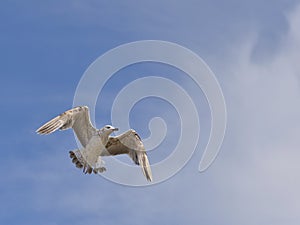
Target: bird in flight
<point x="97" y="143"/>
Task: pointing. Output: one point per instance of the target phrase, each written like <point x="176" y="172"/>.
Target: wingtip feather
<point x="146" y="167"/>
<point x="50" y="126"/>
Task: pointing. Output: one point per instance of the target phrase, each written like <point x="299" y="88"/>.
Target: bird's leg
<point x="99" y="166"/>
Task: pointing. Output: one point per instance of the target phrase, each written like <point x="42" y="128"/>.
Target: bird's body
<point x="97" y="143"/>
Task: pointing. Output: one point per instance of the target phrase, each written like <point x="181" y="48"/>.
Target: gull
<point x="97" y="142"/>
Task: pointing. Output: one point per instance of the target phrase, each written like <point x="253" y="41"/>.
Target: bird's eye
<point x="107" y="127"/>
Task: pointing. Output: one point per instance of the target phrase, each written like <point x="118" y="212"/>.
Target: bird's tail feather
<point x="80" y="162"/>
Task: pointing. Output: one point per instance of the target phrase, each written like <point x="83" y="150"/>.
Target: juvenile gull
<point x="97" y="143"/>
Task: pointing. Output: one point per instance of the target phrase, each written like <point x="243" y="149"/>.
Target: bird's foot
<point x="99" y="170"/>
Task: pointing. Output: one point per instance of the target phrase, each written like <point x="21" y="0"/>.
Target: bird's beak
<point x="115" y="129"/>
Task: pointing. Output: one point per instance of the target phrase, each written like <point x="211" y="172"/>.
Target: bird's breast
<point x="94" y="144"/>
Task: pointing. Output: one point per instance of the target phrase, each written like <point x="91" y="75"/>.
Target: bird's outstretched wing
<point x="130" y="143"/>
<point x="77" y="118"/>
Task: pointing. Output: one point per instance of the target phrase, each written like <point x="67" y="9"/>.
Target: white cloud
<point x="262" y="174"/>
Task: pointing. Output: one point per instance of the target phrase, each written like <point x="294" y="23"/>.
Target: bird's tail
<point x="80" y="162"/>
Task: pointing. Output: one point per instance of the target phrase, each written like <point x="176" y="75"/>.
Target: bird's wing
<point x="130" y="143"/>
<point x="77" y="118"/>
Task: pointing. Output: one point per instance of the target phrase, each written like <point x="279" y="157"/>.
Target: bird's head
<point x="108" y="129"/>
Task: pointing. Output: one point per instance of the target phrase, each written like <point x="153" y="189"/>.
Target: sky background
<point x="253" y="47"/>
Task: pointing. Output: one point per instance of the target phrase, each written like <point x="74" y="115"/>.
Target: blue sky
<point x="253" y="47"/>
